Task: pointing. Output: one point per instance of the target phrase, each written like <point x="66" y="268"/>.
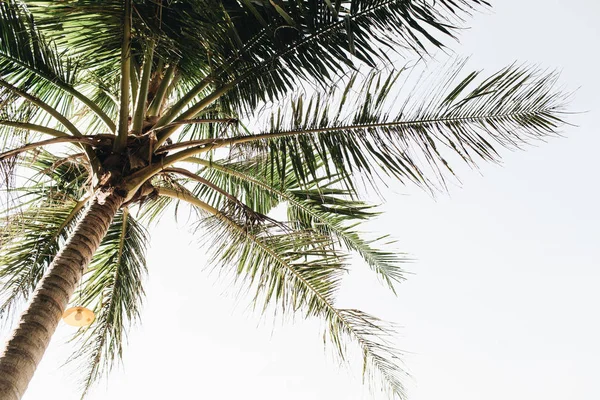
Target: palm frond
<point x="380" y="359"/>
<point x="299" y="270"/>
<point x="88" y="30"/>
<point x="319" y="204"/>
<point x="326" y="41"/>
<point x="43" y="109"/>
<point x="26" y="56"/>
<point x="255" y="54"/>
<point x="67" y="175"/>
<point x="113" y="288"/>
<point x="30" y="240"/>
<point x="27" y="61"/>
<point x="415" y="140"/>
<point x="47" y="207"/>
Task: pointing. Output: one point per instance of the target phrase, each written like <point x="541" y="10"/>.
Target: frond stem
<point x="187" y="198"/>
<point x="44" y="106"/>
<point x="133" y="79"/>
<point x="156" y="105"/>
<point x="69" y="89"/>
<point x="142" y="94"/>
<point x="123" y="129"/>
<point x="199" y="179"/>
<point x="34" y="127"/>
<point x="63" y="139"/>
<point x="193" y="111"/>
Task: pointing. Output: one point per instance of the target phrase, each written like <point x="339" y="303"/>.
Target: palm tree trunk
<point x="25" y="348"/>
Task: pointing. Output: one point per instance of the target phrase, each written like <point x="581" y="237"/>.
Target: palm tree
<point x="154" y="103"/>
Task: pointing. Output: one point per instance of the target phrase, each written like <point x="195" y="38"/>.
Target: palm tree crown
<point x="157" y="103"/>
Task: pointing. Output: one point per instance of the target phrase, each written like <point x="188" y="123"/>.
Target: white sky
<point x="504" y="300"/>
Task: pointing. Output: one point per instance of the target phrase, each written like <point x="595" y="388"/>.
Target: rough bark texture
<point x="25" y="348"/>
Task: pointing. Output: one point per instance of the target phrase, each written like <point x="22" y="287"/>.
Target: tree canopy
<point x="236" y="107"/>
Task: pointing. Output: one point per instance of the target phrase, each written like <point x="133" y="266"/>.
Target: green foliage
<point x="112" y="288"/>
<point x="361" y="127"/>
<point x="36" y="227"/>
<point x="299" y="270"/>
<point x="252" y="43"/>
<point x="336" y="118"/>
<point x="320" y="204"/>
<point x="30" y="240"/>
<point x="30" y="62"/>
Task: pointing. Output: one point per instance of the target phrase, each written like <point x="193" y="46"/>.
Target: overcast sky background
<point x="503" y="303"/>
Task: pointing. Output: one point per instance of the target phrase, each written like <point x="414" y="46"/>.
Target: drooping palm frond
<point x="44" y="110"/>
<point x="381" y="360"/>
<point x="21" y="47"/>
<point x="48" y="206"/>
<point x="31" y="239"/>
<point x="67" y="175"/>
<point x="300" y="271"/>
<point x="413" y="141"/>
<point x="113" y="288"/>
<point x="46" y="175"/>
<point x="320" y="204"/>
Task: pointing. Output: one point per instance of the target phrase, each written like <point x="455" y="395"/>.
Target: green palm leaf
<point x="113" y="289"/>
<point x="30" y="240"/>
<point x="32" y="236"/>
<point x="26" y="56"/>
<point x="319" y="205"/>
<point x="367" y="134"/>
<point x="323" y="44"/>
<point x="299" y="270"/>
<point x="89" y="30"/>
